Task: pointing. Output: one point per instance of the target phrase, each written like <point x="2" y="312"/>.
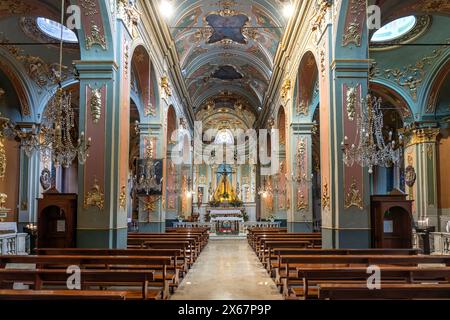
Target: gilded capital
<point x="421" y="135"/>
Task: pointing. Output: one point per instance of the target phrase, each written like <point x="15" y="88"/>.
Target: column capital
<point x="303" y="128"/>
<point x="421" y="135"/>
<point x="95" y="69"/>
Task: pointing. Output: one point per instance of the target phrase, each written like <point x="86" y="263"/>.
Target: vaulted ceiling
<point x="226" y="50"/>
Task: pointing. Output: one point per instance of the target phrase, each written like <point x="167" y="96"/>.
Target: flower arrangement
<point x="271" y="218"/>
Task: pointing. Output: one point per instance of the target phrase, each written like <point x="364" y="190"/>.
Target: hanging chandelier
<point x="145" y="180"/>
<point x="57" y="131"/>
<point x="370" y="147"/>
<point x="55" y="135"/>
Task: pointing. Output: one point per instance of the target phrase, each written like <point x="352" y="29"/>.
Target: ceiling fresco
<point x="226" y="49"/>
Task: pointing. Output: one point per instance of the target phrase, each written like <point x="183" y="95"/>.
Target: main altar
<point x="225" y="212"/>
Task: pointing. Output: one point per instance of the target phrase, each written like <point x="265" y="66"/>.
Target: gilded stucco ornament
<point x="95" y="37"/>
<point x="3" y="123"/>
<point x="123" y="197"/>
<point x="165" y="86"/>
<point x="94" y="197"/>
<point x="285" y="89"/>
<point x="302" y="204"/>
<point x="150" y="110"/>
<point x="90" y="7"/>
<point x="353" y="197"/>
<point x="302" y="108"/>
<point x="351" y="102"/>
<point x="421" y="135"/>
<point x="127" y="11"/>
<point x="96" y="104"/>
<point x="325" y="197"/>
<point x="411" y="77"/>
<point x="322" y="7"/>
<point x="353" y="29"/>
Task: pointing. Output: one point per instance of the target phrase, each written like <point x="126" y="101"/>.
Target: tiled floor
<point x="227" y="270"/>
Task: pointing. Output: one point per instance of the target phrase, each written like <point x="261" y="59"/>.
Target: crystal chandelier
<point x="370" y="148"/>
<point x="145" y="179"/>
<point x="57" y="131"/>
<point x="55" y="134"/>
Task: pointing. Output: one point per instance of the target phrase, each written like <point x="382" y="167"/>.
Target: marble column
<point x="29" y="187"/>
<point x="420" y="164"/>
<point x="300" y="214"/>
<point x="151" y="215"/>
<point x="102" y="216"/>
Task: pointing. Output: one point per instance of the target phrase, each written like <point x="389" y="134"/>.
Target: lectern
<point x="391" y="220"/>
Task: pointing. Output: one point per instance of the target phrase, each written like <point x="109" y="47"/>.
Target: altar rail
<point x="441" y="241"/>
<point x="14" y="243"/>
<point x="259" y="224"/>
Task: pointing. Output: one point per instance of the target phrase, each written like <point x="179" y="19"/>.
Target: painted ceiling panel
<point x="227" y="46"/>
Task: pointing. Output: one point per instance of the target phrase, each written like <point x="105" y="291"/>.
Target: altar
<point x="226" y="221"/>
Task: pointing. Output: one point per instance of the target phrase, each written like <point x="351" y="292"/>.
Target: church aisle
<point x="227" y="270"/>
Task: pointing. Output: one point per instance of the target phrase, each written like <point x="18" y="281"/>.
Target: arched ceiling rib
<point x="227" y="46"/>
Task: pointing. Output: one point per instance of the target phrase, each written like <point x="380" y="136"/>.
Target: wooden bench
<point x="39" y="279"/>
<point x="314" y="277"/>
<point x="159" y="263"/>
<point x="273" y="260"/>
<point x="193" y="245"/>
<point x="179" y="266"/>
<point x="10" y="294"/>
<point x="184" y="246"/>
<point x="387" y="291"/>
<point x="290" y="264"/>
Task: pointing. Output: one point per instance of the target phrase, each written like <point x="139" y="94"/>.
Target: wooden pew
<point x="308" y="277"/>
<point x="98" y="262"/>
<point x="387" y="291"/>
<point x="289" y="264"/>
<point x="178" y="267"/>
<point x="184" y="246"/>
<point x="315" y="238"/>
<point x="199" y="237"/>
<point x="10" y="294"/>
<point x="193" y="247"/>
<point x="263" y="244"/>
<point x="56" y="279"/>
<point x="273" y="260"/>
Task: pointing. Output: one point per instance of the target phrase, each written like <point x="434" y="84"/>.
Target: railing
<point x="178" y="224"/>
<point x="441" y="242"/>
<point x="14" y="243"/>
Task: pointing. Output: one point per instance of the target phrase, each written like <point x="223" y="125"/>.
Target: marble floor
<point x="227" y="270"/>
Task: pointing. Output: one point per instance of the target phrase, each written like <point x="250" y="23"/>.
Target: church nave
<point x="227" y="270"/>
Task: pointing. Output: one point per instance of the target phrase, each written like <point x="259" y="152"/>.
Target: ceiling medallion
<point x="423" y="23"/>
